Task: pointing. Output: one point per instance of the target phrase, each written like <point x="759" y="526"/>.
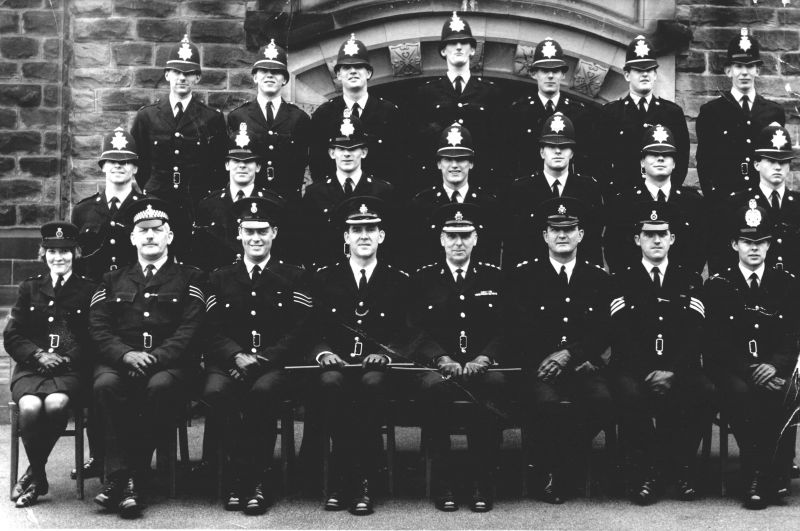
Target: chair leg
<point x="287" y="445"/>
<point x="723" y="453"/>
<point x="13" y="411"/>
<point x="425" y="442"/>
<point x="79" y="451"/>
<point x="172" y="457"/>
<point x="524" y="451"/>
<point x="183" y="434"/>
<point x="326" y="459"/>
<point x="390" y="453"/>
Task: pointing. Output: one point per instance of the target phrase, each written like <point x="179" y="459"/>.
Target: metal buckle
<point x="176" y="179"/>
<point x="112" y="267"/>
<point x="779" y="266"/>
<point x="55" y="340"/>
<point x="659" y="346"/>
<point x="270" y="173"/>
<point x="256" y="339"/>
<point x="358" y="348"/>
<point x="745" y="168"/>
<point x="147" y="340"/>
<point x="753" y="345"/>
<point x="563" y="342"/>
<point x="462" y="342"/>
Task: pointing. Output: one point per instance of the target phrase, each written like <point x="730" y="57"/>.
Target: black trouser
<point x="136" y="412"/>
<point x="682" y="415"/>
<point x="563" y="415"/>
<point x="436" y="397"/>
<point x="251" y="409"/>
<point x="757" y="417"/>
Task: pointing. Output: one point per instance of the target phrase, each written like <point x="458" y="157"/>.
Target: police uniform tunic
<point x="725" y="142"/>
<point x="44" y="320"/>
<point x="103" y="238"/>
<point x="283" y="148"/>
<point x="620" y="130"/>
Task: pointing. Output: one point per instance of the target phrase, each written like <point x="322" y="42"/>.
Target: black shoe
<point x="361" y="505"/>
<point x="258" y="501"/>
<point x="334" y="501"/>
<point x="754" y="497"/>
<point x="22" y="484"/>
<point x="795" y="472"/>
<point x="129" y="506"/>
<point x="687" y="488"/>
<point x="646" y="494"/>
<point x="92" y="468"/>
<point x="234" y="500"/>
<point x="446" y="500"/>
<point x="203" y="470"/>
<point x="112" y="492"/>
<point x="37" y="487"/>
<point x="550" y="491"/>
<point x="782" y="486"/>
<point x="481" y="499"/>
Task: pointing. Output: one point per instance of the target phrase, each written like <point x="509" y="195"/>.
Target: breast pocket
<point x="170" y="305"/>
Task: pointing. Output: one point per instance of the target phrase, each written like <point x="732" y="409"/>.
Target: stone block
<point x="83" y="100"/>
<point x="241" y="80"/>
<point x="8" y="70"/>
<point x="156" y="30"/>
<point x="21" y="95"/>
<point x="778" y="40"/>
<point x="226" y="56"/>
<point x="732" y="16"/>
<point x="19" y="47"/>
<point x="20" y="141"/>
<point x="790" y="64"/>
<point x="36" y="215"/>
<point x="133" y="54"/>
<point x="51" y="49"/>
<point x="49" y="71"/>
<point x="51" y="141"/>
<point x="51" y="96"/>
<point x="216" y="79"/>
<point x="692" y="62"/>
<point x="22" y="4"/>
<point x="101" y="77"/>
<point x="91" y="122"/>
<point x="150" y="78"/>
<point x="90" y="54"/>
<point x="102" y="29"/>
<point x="27" y="268"/>
<point x="39" y="118"/>
<point x="9" y="22"/>
<point x="226" y="101"/>
<point x="85" y="189"/>
<point x="17" y="191"/>
<point x="789" y="17"/>
<point x="221" y="31"/>
<point x="231" y="8"/>
<point x="8" y="119"/>
<point x="145" y="8"/>
<point x="42" y="22"/>
<point x="6" y="164"/>
<point x="8" y="218"/>
<point x="5" y="272"/>
<point x="90" y="8"/>
<point x="123" y="100"/>
<point x="86" y="146"/>
<point x="39" y="166"/>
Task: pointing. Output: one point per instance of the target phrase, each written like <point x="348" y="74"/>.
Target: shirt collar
<point x="570" y="266"/>
<point x="262" y="104"/>
<point x="648" y="99"/>
<point x="54" y="277"/>
<point x="121" y="198"/>
<point x="465" y="77"/>
<point x="767" y="191"/>
<point x="370" y="268"/>
<point x="158" y="263"/>
<point x="248" y="190"/>
<point x="462" y="192"/>
<point x="249" y="264"/>
<point x="348" y="101"/>
<point x="545" y="99"/>
<point x="746" y="273"/>
<point x="173" y="100"/>
<point x="464" y="268"/>
<point x="653" y="189"/>
<point x="356" y="176"/>
<point x="662" y="267"/>
<point x="737" y="95"/>
<point x="551" y="180"/>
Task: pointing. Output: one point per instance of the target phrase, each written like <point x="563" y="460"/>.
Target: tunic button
<point x="748" y="141"/>
<point x="269" y="163"/>
<point x="50" y="350"/>
<point x="32" y="307"/>
<point x="731" y="318"/>
<point x="174" y="168"/>
<point x="50" y="319"/>
<point x="461" y="120"/>
<point x="490" y="305"/>
<point x="383" y="314"/>
<point x="462" y="315"/>
<point x="177" y="151"/>
<point x="461" y="297"/>
<point x="755" y="325"/>
<point x="280" y="304"/>
<point x="252" y="312"/>
<point x="50" y="303"/>
<point x="113" y="223"/>
<point x="112" y="241"/>
<point x="333" y="310"/>
<point x="747" y="178"/>
<point x="272" y="147"/>
<point x="174" y="300"/>
<point x="430" y="307"/>
<point x="253" y="293"/>
<point x="566" y="319"/>
<point x="146" y="314"/>
<point x="542" y="308"/>
<point x="780" y="240"/>
<point x="358" y="322"/>
<point x="361" y="303"/>
<point x="253" y="350"/>
<point x="567" y="299"/>
<point x="780" y="259"/>
<point x="177" y="134"/>
<point x="146" y="295"/>
<point x="660" y="318"/>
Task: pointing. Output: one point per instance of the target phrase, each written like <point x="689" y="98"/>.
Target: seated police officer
<point x="256" y="310"/>
<point x="457" y="309"/>
<point x="360" y="308"/>
<point x="559" y="333"/>
<point x="751" y="338"/>
<point x="657" y="314"/>
<point x="145" y="319"/>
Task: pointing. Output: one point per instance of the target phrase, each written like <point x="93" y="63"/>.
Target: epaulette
<point x="242" y="105"/>
<point x="150" y="104"/>
<point x="426" y="267"/>
<point x="398" y="270"/>
<point x="323" y="268"/>
<point x="525" y="262"/>
<point x="189" y="266"/>
<point x="94" y="196"/>
<point x="34" y="277"/>
<point x="601" y="268"/>
<point x="487" y="264"/>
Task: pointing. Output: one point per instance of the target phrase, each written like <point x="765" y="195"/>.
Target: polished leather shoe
<point x="258" y="501"/>
<point x="334" y="501"/>
<point x="795" y="471"/>
<point x="92" y="468"/>
<point x="550" y="492"/>
<point x="203" y="469"/>
<point x="233" y="502"/>
<point x="446" y="500"/>
<point x="754" y="497"/>
<point x="481" y="500"/>
<point x="37" y="487"/>
<point x="22" y="484"/>
<point x="129" y="505"/>
<point x="112" y="492"/>
<point x="782" y="486"/>
<point x="646" y="494"/>
<point x="687" y="488"/>
<point x="361" y="505"/>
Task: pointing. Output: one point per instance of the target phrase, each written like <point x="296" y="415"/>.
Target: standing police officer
<point x="182" y="144"/>
<point x="623" y="121"/>
<point x="145" y="319"/>
<point x="728" y="126"/>
<point x="280" y="131"/>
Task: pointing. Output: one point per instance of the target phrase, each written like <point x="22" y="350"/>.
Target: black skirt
<point x="28" y="382"/>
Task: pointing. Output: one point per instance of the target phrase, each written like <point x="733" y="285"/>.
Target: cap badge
<point x="347" y="128"/>
<point x="549" y="50"/>
<point x="271" y="51"/>
<point x="459" y="216"/>
<point x="641" y="49"/>
<point x="562" y="210"/>
<point x="744" y="42"/>
<point x="254" y="207"/>
<point x="242" y="139"/>
<point x="185" y="51"/>
<point x="779" y="139"/>
<point x="456" y="24"/>
<point x="350" y="47"/>
<point x="752" y="217"/>
<point x="59" y="233"/>
<point x="557" y="125"/>
<point x="660" y="134"/>
<point x="454" y="137"/>
<point x="119" y="141"/>
<point x="363" y="208"/>
<point x="653" y="215"/>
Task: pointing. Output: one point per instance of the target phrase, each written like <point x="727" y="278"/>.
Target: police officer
<point x="457" y="308"/>
<point x="751" y="341"/>
<point x="728" y="126"/>
<point x="280" y="130"/>
<point x="529" y="113"/>
<point x="385" y="127"/>
<point x="257" y="308"/>
<point x="460" y="97"/>
<point x="558" y="332"/>
<point x="145" y="320"/>
<point x="623" y="121"/>
<point x="659" y="155"/>
<point x="360" y="307"/>
<point x="772" y="159"/>
<point x="657" y="316"/>
<point x="455" y="160"/>
<point x="557" y="148"/>
<point x="47" y="336"/>
<point x="347" y="147"/>
<point x="216" y="226"/>
<point x="182" y="143"/>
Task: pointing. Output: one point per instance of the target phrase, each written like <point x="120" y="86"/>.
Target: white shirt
<point x="362" y="103"/>
<point x="54" y="277"/>
<point x="249" y="264"/>
<point x="247" y="190"/>
<point x="562" y="182"/>
<point x="570" y="266"/>
<point x="121" y="199"/>
<point x="462" y="192"/>
<point x="464" y="77"/>
<point x="737" y="95"/>
<point x="453" y="268"/>
<point x="662" y="268"/>
<point x="158" y="264"/>
<point x="262" y="104"/>
<point x="647" y="100"/>
<point x="653" y="189"/>
<point x="767" y="191"/>
<point x="369" y="269"/>
<point x="746" y="273"/>
<point x="173" y="100"/>
<point x="545" y="99"/>
<point x="356" y="176"/>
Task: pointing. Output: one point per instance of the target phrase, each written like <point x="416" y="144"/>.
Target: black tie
<point x="148" y="272"/>
<point x="556" y="184"/>
<point x="362" y="282"/>
<point x="240" y="195"/>
<point x="356" y="111"/>
<point x="656" y="277"/>
<point x="256" y="274"/>
<point x="459" y="278"/>
<point x="59" y="283"/>
<point x="270" y="115"/>
<point x="746" y="104"/>
<point x="642" y="108"/>
<point x="179" y="113"/>
<point x="549" y="108"/>
<point x="776" y="202"/>
<point x="754" y="283"/>
<point x="563" y="275"/>
<point x="661" y="197"/>
<point x="112" y="207"/>
<point x="454" y="197"/>
<point x="458" y="84"/>
<point x="348" y="186"/>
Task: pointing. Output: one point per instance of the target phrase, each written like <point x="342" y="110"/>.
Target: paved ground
<point x="196" y="508"/>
